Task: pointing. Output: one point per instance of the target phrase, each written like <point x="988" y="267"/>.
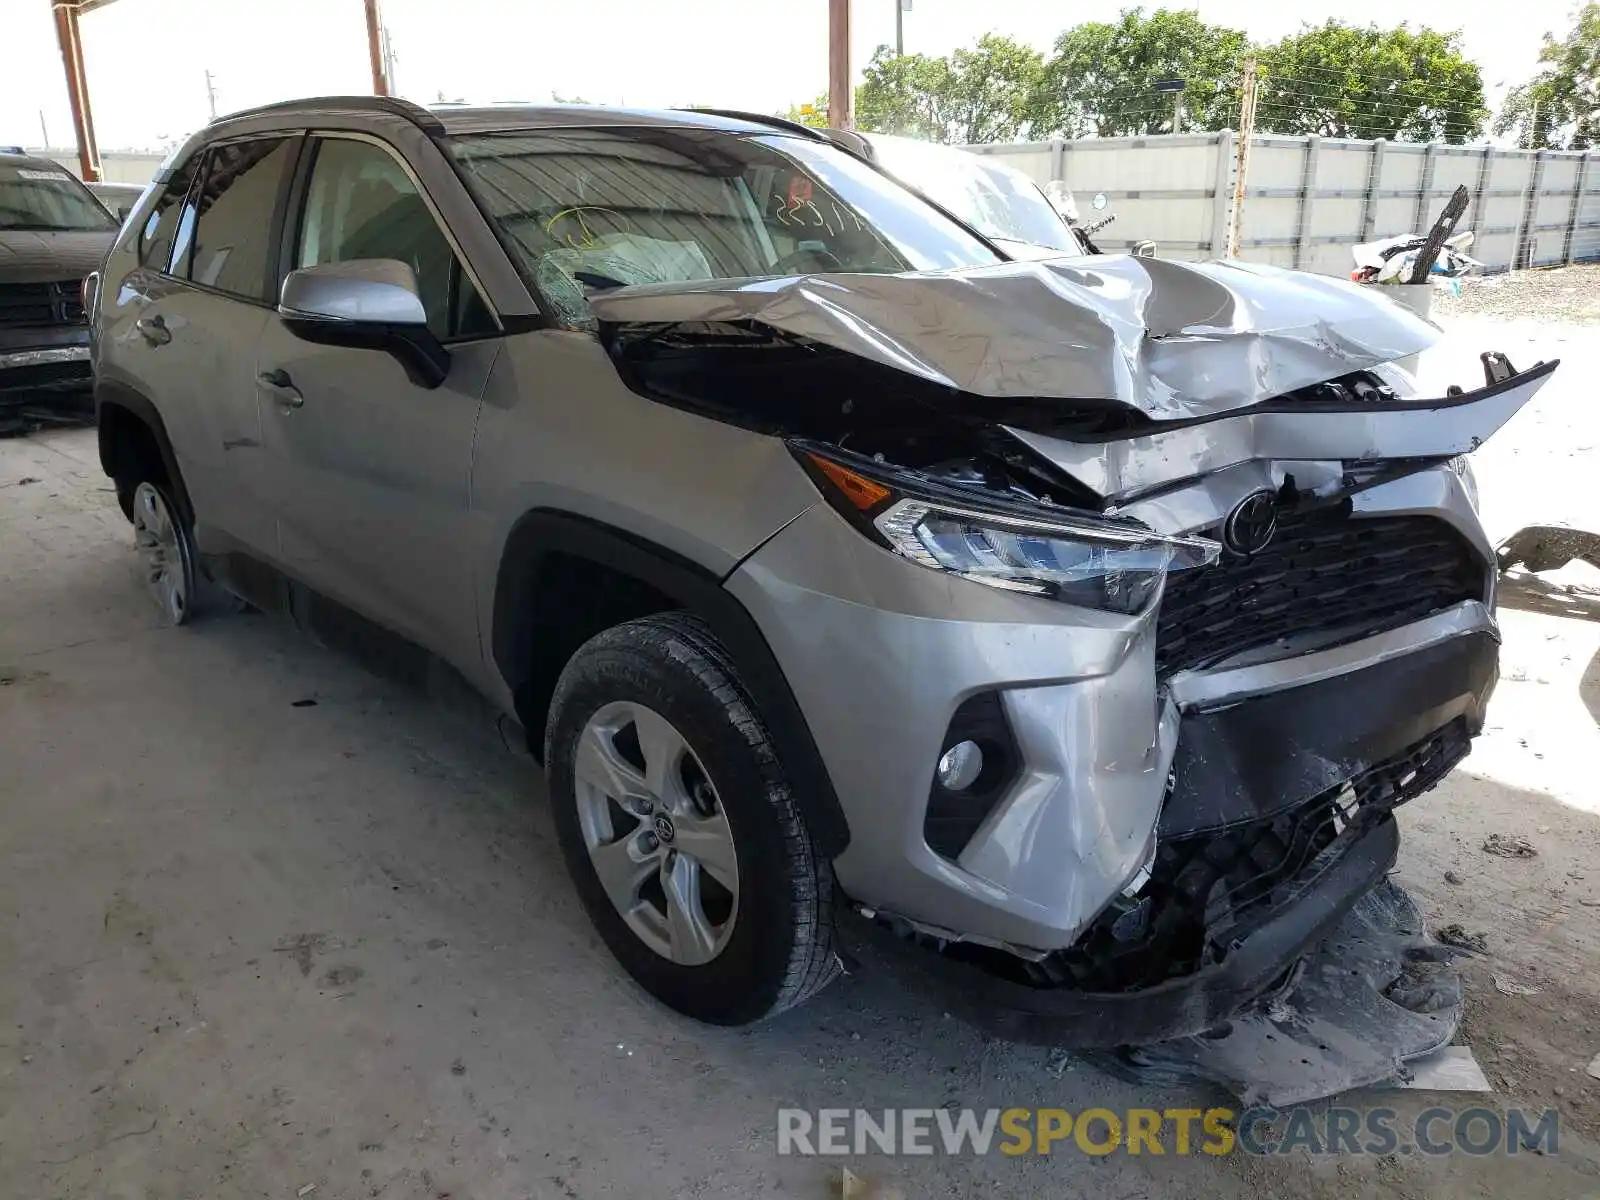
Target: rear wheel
<point x="679" y="828"/>
<point x="163" y="538"/>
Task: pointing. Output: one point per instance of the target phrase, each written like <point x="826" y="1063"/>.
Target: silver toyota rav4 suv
<point x="1070" y="629"/>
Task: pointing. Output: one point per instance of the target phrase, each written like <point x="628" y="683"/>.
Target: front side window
<point x="224" y="236"/>
<point x="362" y="204"/>
<point x="47" y="199"/>
<point x="590" y="209"/>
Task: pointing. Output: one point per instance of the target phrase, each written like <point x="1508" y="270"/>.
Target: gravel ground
<point x="1568" y="294"/>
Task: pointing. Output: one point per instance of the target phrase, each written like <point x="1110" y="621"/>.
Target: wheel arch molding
<point x="534" y="635"/>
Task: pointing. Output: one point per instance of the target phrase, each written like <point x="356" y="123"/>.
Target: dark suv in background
<point x="53" y="233"/>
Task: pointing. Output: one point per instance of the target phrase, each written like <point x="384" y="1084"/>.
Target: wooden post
<point x="66" y="14"/>
<point x="380" y="80"/>
<point x="841" y="106"/>
<point x="1241" y="159"/>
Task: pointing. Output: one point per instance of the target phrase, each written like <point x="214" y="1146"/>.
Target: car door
<point x="188" y="322"/>
<point x="370" y="472"/>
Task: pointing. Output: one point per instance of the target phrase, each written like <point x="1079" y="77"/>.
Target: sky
<point x="148" y="59"/>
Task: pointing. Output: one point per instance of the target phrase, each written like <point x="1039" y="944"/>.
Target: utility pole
<point x="841" y="109"/>
<point x="900" y="7"/>
<point x="380" y="81"/>
<point x="44" y="131"/>
<point x="388" y="59"/>
<point x="1241" y="157"/>
<point x="211" y="94"/>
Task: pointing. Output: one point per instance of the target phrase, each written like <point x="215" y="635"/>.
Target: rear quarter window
<point x="156" y="235"/>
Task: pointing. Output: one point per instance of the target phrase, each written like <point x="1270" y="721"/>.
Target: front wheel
<point x="679" y="828"/>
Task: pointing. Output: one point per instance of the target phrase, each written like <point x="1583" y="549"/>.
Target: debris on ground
<point x="1509" y="845"/>
<point x="1059" y="1063"/>
<point x="1594" y="1066"/>
<point x="1447" y="1069"/>
<point x="1507" y="986"/>
<point x="1455" y="935"/>
<point x="1555" y="294"/>
<point x="1452" y="877"/>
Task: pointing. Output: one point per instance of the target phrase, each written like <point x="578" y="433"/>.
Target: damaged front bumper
<point x="1175" y="831"/>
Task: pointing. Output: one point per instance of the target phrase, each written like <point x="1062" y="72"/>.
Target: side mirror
<point x="1145" y="250"/>
<point x="365" y="304"/>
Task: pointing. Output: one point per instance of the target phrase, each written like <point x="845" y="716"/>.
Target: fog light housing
<point x="960" y="766"/>
<point x="978" y="763"/>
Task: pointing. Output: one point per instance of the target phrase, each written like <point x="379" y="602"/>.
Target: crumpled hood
<point x="1174" y="340"/>
<point x="39" y="256"/>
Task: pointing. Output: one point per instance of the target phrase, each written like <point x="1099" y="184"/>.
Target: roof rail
<point x="393" y="106"/>
<point x="756" y="118"/>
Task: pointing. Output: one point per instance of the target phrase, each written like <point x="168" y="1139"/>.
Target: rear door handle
<point x="282" y="388"/>
<point x="154" y="330"/>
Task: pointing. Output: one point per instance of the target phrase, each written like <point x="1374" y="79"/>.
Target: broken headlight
<point x="1074" y="557"/>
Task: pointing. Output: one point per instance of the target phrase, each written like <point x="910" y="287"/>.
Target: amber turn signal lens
<point x="858" y="489"/>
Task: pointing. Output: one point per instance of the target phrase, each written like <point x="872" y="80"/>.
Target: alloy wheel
<point x="168" y="571"/>
<point x="656" y="833"/>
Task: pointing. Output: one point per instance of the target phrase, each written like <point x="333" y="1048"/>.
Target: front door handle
<point x="154" y="330"/>
<point x="282" y="388"/>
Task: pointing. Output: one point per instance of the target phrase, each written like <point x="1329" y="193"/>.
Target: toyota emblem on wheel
<point x="664" y="827"/>
<point x="1251" y="524"/>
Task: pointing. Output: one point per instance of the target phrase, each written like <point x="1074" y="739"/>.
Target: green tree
<point x="982" y="94"/>
<point x="1102" y="77"/>
<point x="1352" y="81"/>
<point x="904" y="94"/>
<point x="1559" y="108"/>
<point x="816" y="117"/>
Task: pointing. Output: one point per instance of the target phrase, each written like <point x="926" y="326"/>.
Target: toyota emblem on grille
<point x="1251" y="524"/>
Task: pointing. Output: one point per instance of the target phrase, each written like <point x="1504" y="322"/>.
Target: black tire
<point x="205" y="597"/>
<point x="780" y="951"/>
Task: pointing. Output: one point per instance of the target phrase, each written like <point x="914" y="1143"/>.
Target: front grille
<point x="46" y="304"/>
<point x="1323" y="571"/>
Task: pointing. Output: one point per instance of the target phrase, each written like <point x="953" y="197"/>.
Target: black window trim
<point x="297" y="142"/>
<point x="295" y="209"/>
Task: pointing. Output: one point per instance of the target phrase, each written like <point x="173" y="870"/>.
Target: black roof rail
<point x="392" y="106"/>
<point x="756" y="118"/>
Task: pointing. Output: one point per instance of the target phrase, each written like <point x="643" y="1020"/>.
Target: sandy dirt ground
<point x="255" y="947"/>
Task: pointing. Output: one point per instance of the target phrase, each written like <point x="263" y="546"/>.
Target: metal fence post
<point x="1579" y="186"/>
<point x="1308" y="180"/>
<point x="1522" y="255"/>
<point x="1369" y="209"/>
<point x="1058" y="159"/>
<point x="1222" y="195"/>
<point x="1485" y="166"/>
<point x="1424" y="188"/>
